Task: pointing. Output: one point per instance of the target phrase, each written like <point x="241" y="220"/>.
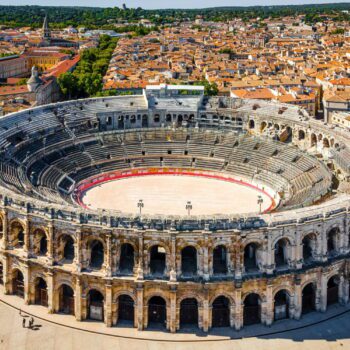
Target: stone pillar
<point x="27" y="289"/>
<point x="77" y="251"/>
<point x="205" y="261"/>
<point x="343" y="294"/>
<point x="173" y="289"/>
<point x="298" y="250"/>
<point x="78" y="299"/>
<point x="346" y="291"/>
<point x="26" y="233"/>
<point x="108" y="304"/>
<point x="141" y="270"/>
<point x="298" y="299"/>
<point x="267" y="306"/>
<point x="268" y="256"/>
<point x="238" y="261"/>
<point x="5" y="234"/>
<point x="6" y="275"/>
<point x="50" y="292"/>
<point x="238" y="312"/>
<point x="50" y="246"/>
<point x="205" y="312"/>
<point x="322" y="293"/>
<point x="139" y="310"/>
<point x="108" y="257"/>
<point x="172" y="263"/>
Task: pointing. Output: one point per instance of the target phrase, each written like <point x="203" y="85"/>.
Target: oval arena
<point x="164" y="264"/>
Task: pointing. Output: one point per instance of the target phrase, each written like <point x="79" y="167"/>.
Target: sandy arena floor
<point x="168" y="195"/>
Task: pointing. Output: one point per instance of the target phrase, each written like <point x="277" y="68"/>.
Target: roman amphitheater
<point x="174" y="210"/>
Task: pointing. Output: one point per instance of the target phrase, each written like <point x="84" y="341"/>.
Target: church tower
<point x="46" y="34"/>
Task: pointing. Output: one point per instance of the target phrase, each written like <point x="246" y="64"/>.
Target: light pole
<point x="189" y="207"/>
<point x="260" y="202"/>
<point x="140" y="205"/>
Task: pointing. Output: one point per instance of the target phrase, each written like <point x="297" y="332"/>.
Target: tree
<point x="68" y="84"/>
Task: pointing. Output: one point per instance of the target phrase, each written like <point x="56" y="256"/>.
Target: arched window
<point x="68" y="250"/>
<point x="252" y="309"/>
<point x="157" y="260"/>
<point x="332" y="238"/>
<point x="333" y="290"/>
<point x="95" y="305"/>
<point x="18" y="283"/>
<point x="251" y="124"/>
<point x="66" y="300"/>
<point x="281" y="253"/>
<point x="125" y="309"/>
<point x="126" y="258"/>
<point x="97" y="254"/>
<point x="309" y="246"/>
<point x="17" y="233"/>
<point x="157" y="311"/>
<point x="281" y="305"/>
<point x="221" y="312"/>
<point x="301" y="135"/>
<point x="188" y="312"/>
<point x="41" y="292"/>
<point x="308" y="298"/>
<point x="220" y="260"/>
<point x="189" y="261"/>
<point x="250" y="257"/>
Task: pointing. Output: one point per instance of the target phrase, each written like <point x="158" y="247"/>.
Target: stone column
<point x="298" y="251"/>
<point x="50" y="292"/>
<point x="5" y="233"/>
<point x="50" y="246"/>
<point x="108" y="257"/>
<point x="26" y="246"/>
<point x="108" y="303"/>
<point x="173" y="274"/>
<point x="298" y="299"/>
<point x="173" y="289"/>
<point x="141" y="269"/>
<point x="322" y="293"/>
<point x="139" y="310"/>
<point x="204" y="269"/>
<point x="6" y="274"/>
<point x="267" y="306"/>
<point x="77" y="251"/>
<point x="205" y="312"/>
<point x="77" y="299"/>
<point x="238" y="261"/>
<point x="27" y="289"/>
<point x="238" y="312"/>
<point x="343" y="291"/>
<point x="269" y="256"/>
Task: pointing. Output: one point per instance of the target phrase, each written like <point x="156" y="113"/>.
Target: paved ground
<point x="168" y="195"/>
<point x="330" y="334"/>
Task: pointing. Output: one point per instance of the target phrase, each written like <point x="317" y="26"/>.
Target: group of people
<point x="24" y="321"/>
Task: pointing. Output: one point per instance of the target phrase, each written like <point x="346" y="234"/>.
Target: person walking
<point x="23" y="323"/>
<point x="31" y="322"/>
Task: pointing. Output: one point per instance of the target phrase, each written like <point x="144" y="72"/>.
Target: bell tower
<point x="46" y="34"/>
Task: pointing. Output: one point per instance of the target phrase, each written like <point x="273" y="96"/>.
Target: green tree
<point x="68" y="84"/>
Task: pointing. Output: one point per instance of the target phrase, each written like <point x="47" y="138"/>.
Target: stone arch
<point x="309" y="243"/>
<point x="189" y="260"/>
<point x="282" y="251"/>
<point x="308" y="296"/>
<point x="333" y="237"/>
<point x="126" y="308"/>
<point x="252" y="255"/>
<point x="251" y="124"/>
<point x="281" y="299"/>
<point x="127" y="258"/>
<point x="220" y="260"/>
<point x="333" y="289"/>
<point x="189" y="313"/>
<point x="40" y="240"/>
<point x="40" y="291"/>
<point x="313" y="140"/>
<point x="263" y="126"/>
<point x="95" y="304"/>
<point x="157" y="310"/>
<point x="326" y="142"/>
<point x="301" y="135"/>
<point x="17" y="282"/>
<point x="17" y="232"/>
<point x="158" y="259"/>
<point x="251" y="308"/>
<point x="66" y="300"/>
<point x="95" y="248"/>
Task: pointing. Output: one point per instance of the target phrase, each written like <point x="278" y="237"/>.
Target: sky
<point x="156" y="4"/>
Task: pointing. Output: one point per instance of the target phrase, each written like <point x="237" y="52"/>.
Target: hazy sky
<point x="151" y="4"/>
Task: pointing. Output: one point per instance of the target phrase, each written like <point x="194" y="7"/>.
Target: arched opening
<point x="17" y="232"/>
<point x="263" y="126"/>
<point x="125" y="309"/>
<point x="157" y="260"/>
<point x="220" y="260"/>
<point x="333" y="290"/>
<point x="332" y="241"/>
<point x="281" y="253"/>
<point x="309" y="246"/>
<point x="252" y="309"/>
<point x="313" y="140"/>
<point x="250" y="257"/>
<point x="325" y="143"/>
<point x="66" y="300"/>
<point x="43" y="245"/>
<point x="157" y="311"/>
<point x="281" y="306"/>
<point x="18" y="284"/>
<point x="97" y="254"/>
<point x="188" y="312"/>
<point x="308" y="298"/>
<point x="95" y="305"/>
<point x="189" y="261"/>
<point x="221" y="312"/>
<point x="251" y="124"/>
<point x="145" y="121"/>
<point x="41" y="292"/>
<point x="68" y="250"/>
<point x="301" y="135"/>
<point x="126" y="258"/>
